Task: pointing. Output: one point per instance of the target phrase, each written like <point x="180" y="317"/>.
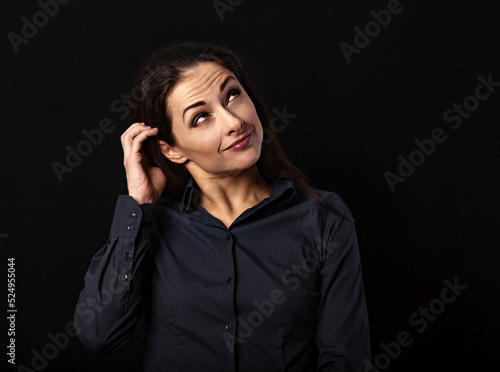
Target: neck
<point x="230" y="195"/>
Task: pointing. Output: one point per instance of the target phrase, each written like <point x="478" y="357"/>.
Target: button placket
<point x="229" y="238"/>
<point x="230" y="326"/>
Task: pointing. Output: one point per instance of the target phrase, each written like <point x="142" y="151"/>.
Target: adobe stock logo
<point x="284" y="117"/>
<point x="427" y="146"/>
<point x="58" y="342"/>
<point x="293" y="278"/>
<point x="222" y="7"/>
<point x="29" y="29"/>
<point x="74" y="156"/>
<point x="372" y="29"/>
<point x="94" y="137"/>
<point x="419" y="319"/>
<point x="87" y="309"/>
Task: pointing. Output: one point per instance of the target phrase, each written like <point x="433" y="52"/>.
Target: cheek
<point x="203" y="143"/>
<point x="259" y="129"/>
<point x="251" y="116"/>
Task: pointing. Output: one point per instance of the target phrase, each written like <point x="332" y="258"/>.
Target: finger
<point x="133" y="130"/>
<point x="133" y="127"/>
<point x="141" y="137"/>
<point x="128" y="137"/>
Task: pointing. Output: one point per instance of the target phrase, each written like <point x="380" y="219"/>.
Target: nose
<point x="231" y="121"/>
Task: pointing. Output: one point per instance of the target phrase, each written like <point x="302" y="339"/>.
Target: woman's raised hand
<point x="145" y="183"/>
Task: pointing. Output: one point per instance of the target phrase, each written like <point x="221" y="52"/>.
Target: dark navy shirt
<point x="281" y="289"/>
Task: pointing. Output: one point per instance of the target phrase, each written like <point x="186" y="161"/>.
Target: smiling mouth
<point x="240" y="141"/>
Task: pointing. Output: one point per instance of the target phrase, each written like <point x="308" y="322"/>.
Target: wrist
<point x="143" y="200"/>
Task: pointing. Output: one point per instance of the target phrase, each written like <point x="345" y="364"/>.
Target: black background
<point x="352" y="122"/>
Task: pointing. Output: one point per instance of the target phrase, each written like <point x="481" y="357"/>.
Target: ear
<point x="171" y="153"/>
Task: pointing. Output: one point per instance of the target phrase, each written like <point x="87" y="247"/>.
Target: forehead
<point x="196" y="84"/>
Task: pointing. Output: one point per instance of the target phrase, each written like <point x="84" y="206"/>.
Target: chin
<point x="242" y="165"/>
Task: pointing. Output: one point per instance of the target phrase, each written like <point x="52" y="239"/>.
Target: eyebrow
<point x="201" y="103"/>
<point x="224" y="83"/>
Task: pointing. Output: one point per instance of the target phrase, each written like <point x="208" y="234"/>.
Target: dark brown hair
<point x="157" y="78"/>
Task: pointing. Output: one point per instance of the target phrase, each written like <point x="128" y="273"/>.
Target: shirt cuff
<point x="129" y="216"/>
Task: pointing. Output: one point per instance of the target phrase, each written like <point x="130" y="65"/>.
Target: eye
<point x="233" y="93"/>
<point x="202" y="116"/>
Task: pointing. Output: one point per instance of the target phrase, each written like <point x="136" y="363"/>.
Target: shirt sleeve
<point x="342" y="336"/>
<point x="109" y="305"/>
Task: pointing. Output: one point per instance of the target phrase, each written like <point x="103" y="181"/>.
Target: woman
<point x="235" y="261"/>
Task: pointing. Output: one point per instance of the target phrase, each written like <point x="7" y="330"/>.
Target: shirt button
<point x="124" y="277"/>
<point x="228" y="326"/>
<point x="130" y="227"/>
<point x="133" y="216"/>
<point x="228" y="280"/>
<point x="228" y="236"/>
<point x="127" y="256"/>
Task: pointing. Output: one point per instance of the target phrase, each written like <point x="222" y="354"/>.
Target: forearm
<point x="343" y="331"/>
<point x="110" y="303"/>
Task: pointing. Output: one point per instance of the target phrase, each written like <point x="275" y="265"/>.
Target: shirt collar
<point x="282" y="190"/>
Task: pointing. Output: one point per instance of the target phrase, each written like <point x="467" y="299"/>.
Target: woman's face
<point x="210" y="111"/>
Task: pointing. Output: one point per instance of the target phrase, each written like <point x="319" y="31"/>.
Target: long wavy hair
<point x="158" y="76"/>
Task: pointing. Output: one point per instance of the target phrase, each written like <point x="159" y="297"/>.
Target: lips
<point x="238" y="141"/>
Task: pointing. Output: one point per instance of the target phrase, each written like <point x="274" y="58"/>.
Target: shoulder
<point x="330" y="232"/>
<point x="331" y="198"/>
